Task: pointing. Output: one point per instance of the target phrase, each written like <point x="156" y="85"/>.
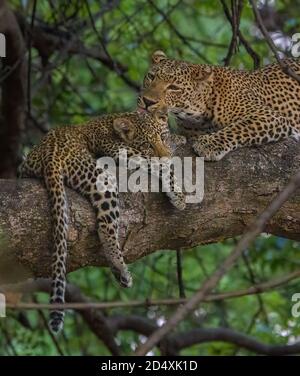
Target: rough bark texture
<point x="236" y="190"/>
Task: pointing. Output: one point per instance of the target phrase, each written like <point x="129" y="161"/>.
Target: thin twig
<point x="252" y="290"/>
<point x="255" y="57"/>
<point x="179" y="274"/>
<point x="178" y="33"/>
<point x="284" y="66"/>
<point x="236" y="10"/>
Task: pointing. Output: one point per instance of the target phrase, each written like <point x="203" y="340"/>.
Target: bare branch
<point x="284" y="66"/>
<point x="255" y="57"/>
<point x="106" y="327"/>
<point x="236" y="9"/>
<point x="197" y="336"/>
<point x="31" y="286"/>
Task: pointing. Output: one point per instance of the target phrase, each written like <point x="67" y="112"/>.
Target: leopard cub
<point x="68" y="155"/>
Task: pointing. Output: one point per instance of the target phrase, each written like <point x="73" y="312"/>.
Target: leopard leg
<point x="170" y="184"/>
<point x="161" y="168"/>
<point x="100" y="188"/>
<point x="120" y="151"/>
<point x="256" y="130"/>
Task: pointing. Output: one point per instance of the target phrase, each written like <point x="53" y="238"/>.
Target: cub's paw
<point x="205" y="147"/>
<point x="177" y="199"/>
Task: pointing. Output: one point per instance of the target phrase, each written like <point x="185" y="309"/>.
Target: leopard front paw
<point x="204" y="147"/>
<point x="177" y="199"/>
<point x="178" y="139"/>
<point x="175" y="141"/>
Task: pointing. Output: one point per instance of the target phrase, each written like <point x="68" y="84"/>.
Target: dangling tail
<point x="55" y="186"/>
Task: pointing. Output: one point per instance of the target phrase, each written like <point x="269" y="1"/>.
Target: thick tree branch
<point x="254" y="230"/>
<point x="237" y="189"/>
<point x="203" y="335"/>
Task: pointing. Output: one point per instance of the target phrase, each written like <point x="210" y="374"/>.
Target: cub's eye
<point x="174" y="87"/>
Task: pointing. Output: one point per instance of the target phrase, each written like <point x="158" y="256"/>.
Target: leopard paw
<point x="178" y="140"/>
<point x="177" y="199"/>
<point x="174" y="141"/>
<point x="205" y="148"/>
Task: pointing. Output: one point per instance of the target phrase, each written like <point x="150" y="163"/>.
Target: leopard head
<point x="176" y="86"/>
<point x="144" y="132"/>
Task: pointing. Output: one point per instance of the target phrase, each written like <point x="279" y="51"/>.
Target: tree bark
<point x="237" y="189"/>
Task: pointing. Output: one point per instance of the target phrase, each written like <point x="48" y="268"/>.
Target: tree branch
<point x="203" y="335"/>
<point x="106" y="328"/>
<point x="31" y="286"/>
<point x="93" y="318"/>
<point x="48" y="39"/>
<point x="254" y="230"/>
<point x="255" y="57"/>
<point x="284" y="66"/>
<point x="236" y="190"/>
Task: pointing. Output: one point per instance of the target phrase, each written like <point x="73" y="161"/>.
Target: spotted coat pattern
<point x="245" y="107"/>
<point x="68" y="156"/>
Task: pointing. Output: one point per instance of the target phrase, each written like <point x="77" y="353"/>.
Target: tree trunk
<point x="237" y="189"/>
<point x="13" y="95"/>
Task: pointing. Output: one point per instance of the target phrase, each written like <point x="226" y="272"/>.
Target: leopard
<point x="67" y="156"/>
<point x="239" y="107"/>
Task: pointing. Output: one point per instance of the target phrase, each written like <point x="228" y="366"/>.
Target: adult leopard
<point x="245" y="107"/>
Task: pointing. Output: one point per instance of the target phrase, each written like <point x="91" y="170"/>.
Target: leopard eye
<point x="174" y="87"/>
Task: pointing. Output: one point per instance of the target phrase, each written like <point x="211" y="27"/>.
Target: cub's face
<point x="143" y="131"/>
<point x="174" y="86"/>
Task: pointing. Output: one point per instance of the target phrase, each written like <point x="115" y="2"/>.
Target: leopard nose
<point x="148" y="102"/>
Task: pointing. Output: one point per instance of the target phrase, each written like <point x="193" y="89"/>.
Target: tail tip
<point x="56" y="322"/>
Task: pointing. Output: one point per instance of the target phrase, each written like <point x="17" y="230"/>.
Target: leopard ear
<point x="124" y="128"/>
<point x="158" y="56"/>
